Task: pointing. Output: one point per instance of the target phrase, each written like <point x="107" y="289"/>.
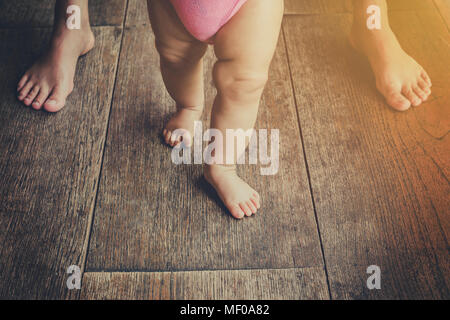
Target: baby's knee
<point x="238" y="82"/>
<point x="179" y="55"/>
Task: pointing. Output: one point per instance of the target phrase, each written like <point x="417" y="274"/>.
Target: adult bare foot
<point x="50" y="80"/>
<point x="399" y="78"/>
<point x="239" y="198"/>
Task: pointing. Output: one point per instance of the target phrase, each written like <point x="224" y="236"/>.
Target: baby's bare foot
<point x="182" y="121"/>
<point x="399" y="78"/>
<point x="50" y="80"/>
<point x="239" y="198"/>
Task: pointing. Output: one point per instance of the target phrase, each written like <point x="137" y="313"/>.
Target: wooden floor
<point x="93" y="186"/>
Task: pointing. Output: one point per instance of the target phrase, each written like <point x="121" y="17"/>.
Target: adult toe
<point x="424" y="76"/>
<point x="40" y="99"/>
<point x="420" y="93"/>
<point x="56" y="101"/>
<point x="22" y="82"/>
<point x="409" y="93"/>
<point x="31" y="95"/>
<point x="23" y="93"/>
<point x="424" y="86"/>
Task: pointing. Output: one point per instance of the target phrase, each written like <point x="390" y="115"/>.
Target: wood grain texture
<point x="152" y="215"/>
<point x="317" y="6"/>
<point x="49" y="167"/>
<point x="343" y="6"/>
<point x="410" y="5"/>
<point x="137" y="13"/>
<point x="379" y="177"/>
<point x="444" y="8"/>
<point x="409" y="278"/>
<point x="279" y="284"/>
<point x="39" y="13"/>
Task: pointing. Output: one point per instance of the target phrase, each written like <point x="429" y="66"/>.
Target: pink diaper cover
<point x="203" y="18"/>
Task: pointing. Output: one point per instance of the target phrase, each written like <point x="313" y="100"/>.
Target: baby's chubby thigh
<point x="245" y="47"/>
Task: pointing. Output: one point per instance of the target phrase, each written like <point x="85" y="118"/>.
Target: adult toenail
<point x="52" y="102"/>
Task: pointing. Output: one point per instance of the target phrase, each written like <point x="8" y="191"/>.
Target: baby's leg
<point x="244" y="48"/>
<point x="401" y="80"/>
<point x="181" y="66"/>
<point x="50" y="80"/>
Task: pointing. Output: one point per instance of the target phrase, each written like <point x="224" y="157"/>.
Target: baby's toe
<point x="256" y="198"/>
<point x="256" y="202"/>
<point x="166" y="135"/>
<point x="187" y="139"/>
<point x="252" y="206"/>
<point x="183" y="136"/>
<point x="236" y="211"/>
<point x="174" y="139"/>
<point x="245" y="208"/>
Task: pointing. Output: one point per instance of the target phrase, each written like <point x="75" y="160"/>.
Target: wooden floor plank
<point x="444" y="9"/>
<point x="152" y="215"/>
<point x="317" y="6"/>
<point x="137" y="13"/>
<point x="343" y="6"/>
<point x="39" y="13"/>
<point x="279" y="284"/>
<point x="49" y="166"/>
<point x="410" y="278"/>
<point x="379" y="177"/>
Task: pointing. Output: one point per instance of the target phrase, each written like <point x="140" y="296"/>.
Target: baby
<point x="244" y="34"/>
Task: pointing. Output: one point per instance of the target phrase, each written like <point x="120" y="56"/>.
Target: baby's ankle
<point x="214" y="170"/>
<point x="195" y="108"/>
